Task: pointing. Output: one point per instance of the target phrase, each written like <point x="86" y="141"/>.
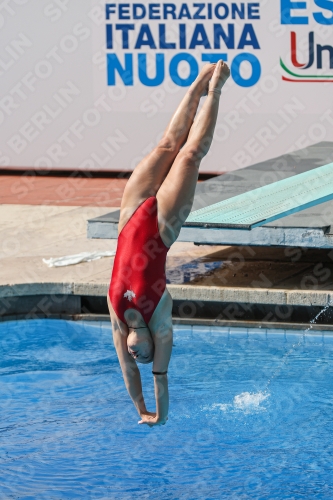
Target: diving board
<point x="310" y="228"/>
<point x="268" y="203"/>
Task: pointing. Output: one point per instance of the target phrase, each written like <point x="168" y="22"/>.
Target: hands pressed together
<point x="151" y="419"/>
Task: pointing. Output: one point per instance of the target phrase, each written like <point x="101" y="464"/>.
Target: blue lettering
<point x="286" y="7"/>
<point x="169" y="8"/>
<point x="143" y="77"/>
<point x="124" y="11"/>
<point x="199" y="37"/>
<point x="182" y="36"/>
<point x="117" y="69"/>
<point x="220" y="33"/>
<point x="184" y="12"/>
<point x="240" y="11"/>
<point x="320" y="49"/>
<point x="214" y="58"/>
<point x="319" y="17"/>
<point x="110" y="8"/>
<point x="136" y="11"/>
<point x="154" y="11"/>
<point x="113" y="65"/>
<point x="253" y="11"/>
<point x="145" y="32"/>
<point x="173" y="69"/>
<point x="217" y="11"/>
<point x="200" y="7"/>
<point x="235" y="69"/>
<point x="248" y="30"/>
<point x="109" y="36"/>
<point x="163" y="43"/>
<point x="124" y="28"/>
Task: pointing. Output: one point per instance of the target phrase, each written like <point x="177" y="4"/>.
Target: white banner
<point x="91" y="85"/>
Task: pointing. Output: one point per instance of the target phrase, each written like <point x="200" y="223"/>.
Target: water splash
<point x="313" y="321"/>
<point x="249" y="400"/>
<point x="220" y="406"/>
<point x="295" y="346"/>
<point x="246" y="402"/>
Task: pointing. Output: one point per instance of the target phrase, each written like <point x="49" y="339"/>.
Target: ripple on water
<point x="69" y="430"/>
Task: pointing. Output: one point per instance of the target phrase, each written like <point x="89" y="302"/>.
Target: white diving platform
<point x="285" y="201"/>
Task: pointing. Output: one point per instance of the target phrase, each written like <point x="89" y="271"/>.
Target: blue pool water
<point x="69" y="430"/>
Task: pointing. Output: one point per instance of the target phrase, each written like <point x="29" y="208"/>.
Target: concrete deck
<point x="224" y="276"/>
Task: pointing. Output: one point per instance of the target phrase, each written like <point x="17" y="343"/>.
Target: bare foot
<point x="200" y="84"/>
<point x="220" y="76"/>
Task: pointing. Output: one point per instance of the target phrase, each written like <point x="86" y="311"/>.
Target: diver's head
<point x="140" y="344"/>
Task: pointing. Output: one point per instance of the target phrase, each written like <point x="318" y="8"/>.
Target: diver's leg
<point x="175" y="196"/>
<point x="152" y="170"/>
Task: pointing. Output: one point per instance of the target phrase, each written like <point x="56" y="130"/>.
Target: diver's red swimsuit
<point x="138" y="277"/>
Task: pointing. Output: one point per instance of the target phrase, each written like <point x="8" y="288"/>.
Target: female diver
<point x="157" y="200"/>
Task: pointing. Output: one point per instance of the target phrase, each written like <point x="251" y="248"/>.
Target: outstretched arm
<point x="163" y="348"/>
<point x="160" y="326"/>
<point x="128" y="365"/>
<point x="130" y="372"/>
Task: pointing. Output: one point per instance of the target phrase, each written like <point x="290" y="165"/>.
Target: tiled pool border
<point x="41" y="295"/>
<point x="182" y="292"/>
<point x="196" y="323"/>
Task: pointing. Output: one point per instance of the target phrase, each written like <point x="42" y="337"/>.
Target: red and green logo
<point x="317" y="54"/>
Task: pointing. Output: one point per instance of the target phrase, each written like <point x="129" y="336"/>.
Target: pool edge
<point x="197" y="305"/>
